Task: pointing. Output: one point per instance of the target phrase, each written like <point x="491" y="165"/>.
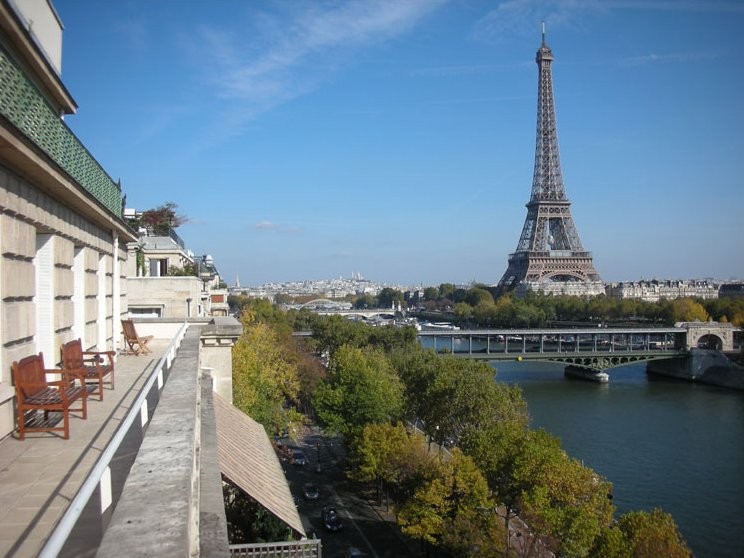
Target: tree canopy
<point x="361" y="388"/>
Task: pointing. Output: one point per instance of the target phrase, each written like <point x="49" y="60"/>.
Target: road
<point x="364" y="526"/>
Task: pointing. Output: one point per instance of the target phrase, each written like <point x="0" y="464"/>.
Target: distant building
<point x="655" y="290"/>
<point x="165" y="280"/>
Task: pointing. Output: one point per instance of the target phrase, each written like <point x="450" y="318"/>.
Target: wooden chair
<point x="88" y="365"/>
<point x="136" y="343"/>
<point x="35" y="393"/>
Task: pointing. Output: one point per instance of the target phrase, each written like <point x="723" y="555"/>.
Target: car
<point x="298" y="457"/>
<point x="354" y="552"/>
<point x="310" y="491"/>
<point x="331" y="520"/>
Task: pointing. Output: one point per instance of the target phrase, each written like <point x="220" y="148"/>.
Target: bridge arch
<point x="710" y="341"/>
<point x="709" y="335"/>
<point x="324" y="303"/>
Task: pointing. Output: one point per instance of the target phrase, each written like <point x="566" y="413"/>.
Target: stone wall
<point x="47" y="296"/>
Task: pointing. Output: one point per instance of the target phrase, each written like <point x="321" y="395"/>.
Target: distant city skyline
<point x="307" y="139"/>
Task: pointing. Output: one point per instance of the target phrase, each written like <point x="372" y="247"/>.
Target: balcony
<point x="23" y="105"/>
<point x="141" y="473"/>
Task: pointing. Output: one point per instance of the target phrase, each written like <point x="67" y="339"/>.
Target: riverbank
<point x="702" y="366"/>
<point x="661" y="442"/>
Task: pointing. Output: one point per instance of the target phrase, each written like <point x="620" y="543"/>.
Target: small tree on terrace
<point x="162" y="218"/>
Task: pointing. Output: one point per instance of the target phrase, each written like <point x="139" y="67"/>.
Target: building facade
<point x="63" y="239"/>
<point x="656" y="290"/>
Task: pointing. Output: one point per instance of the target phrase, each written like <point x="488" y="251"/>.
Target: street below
<point x="365" y="526"/>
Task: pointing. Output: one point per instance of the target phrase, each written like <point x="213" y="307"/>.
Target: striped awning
<point x="248" y="459"/>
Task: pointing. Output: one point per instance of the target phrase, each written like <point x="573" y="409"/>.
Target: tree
<point x="361" y="388"/>
<point x="161" y="219"/>
<point x="453" y="396"/>
<point x="478" y="295"/>
<point x="641" y="534"/>
<point x="431" y="293"/>
<point x="446" y="290"/>
<point x="248" y="521"/>
<point x="388" y="297"/>
<point x="263" y="378"/>
<point x="455" y="490"/>
<point x="365" y="301"/>
<point x="688" y="310"/>
<point x="560" y="498"/>
<point x="283" y="298"/>
<point x="378" y="454"/>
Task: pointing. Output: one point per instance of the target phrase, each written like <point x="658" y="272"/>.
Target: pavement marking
<point x="348" y="514"/>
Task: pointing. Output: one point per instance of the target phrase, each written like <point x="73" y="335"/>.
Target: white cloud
<point x="271" y="226"/>
<point x="279" y="57"/>
<point x="670" y="57"/>
<point x="264" y="226"/>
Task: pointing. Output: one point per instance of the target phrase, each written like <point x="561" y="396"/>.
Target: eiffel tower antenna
<point x="549" y="255"/>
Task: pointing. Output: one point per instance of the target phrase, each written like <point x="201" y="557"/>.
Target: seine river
<point x="662" y="443"/>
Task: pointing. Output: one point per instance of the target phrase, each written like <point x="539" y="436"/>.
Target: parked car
<point x="354" y="552"/>
<point x="298" y="457"/>
<point x="310" y="491"/>
<point x="331" y="520"/>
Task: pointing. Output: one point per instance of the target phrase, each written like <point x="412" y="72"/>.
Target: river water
<point x="662" y="443"/>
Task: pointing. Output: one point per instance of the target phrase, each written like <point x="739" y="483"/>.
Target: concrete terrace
<point x="41" y="476"/>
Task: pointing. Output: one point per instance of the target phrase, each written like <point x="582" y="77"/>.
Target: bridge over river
<point x="593" y="349"/>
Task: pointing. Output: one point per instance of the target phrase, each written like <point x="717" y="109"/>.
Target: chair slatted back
<point x="72" y="355"/>
<point x="29" y="376"/>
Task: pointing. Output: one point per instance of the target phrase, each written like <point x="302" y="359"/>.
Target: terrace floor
<point x="40" y="476"/>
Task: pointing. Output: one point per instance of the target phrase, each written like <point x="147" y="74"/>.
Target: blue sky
<point x="311" y="140"/>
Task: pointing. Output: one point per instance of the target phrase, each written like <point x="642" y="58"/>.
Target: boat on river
<point x="586" y="374"/>
<point x="438" y="326"/>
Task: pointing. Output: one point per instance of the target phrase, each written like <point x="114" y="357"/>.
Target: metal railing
<point x="59" y="536"/>
<point x="23" y="105"/>
<point x="306" y="548"/>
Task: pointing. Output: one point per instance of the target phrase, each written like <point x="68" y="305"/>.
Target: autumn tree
<point x="688" y="310"/>
<point x="561" y="499"/>
<point x="263" y="377"/>
<point x="389" y="456"/>
<point x="456" y="492"/>
<point x="641" y="534"/>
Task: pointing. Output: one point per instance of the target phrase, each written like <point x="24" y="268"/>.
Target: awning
<point x="248" y="459"/>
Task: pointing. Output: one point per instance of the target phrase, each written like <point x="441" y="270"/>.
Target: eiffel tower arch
<point x="549" y="256"/>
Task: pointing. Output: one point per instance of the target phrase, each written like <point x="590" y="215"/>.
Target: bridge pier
<point x="703" y="366"/>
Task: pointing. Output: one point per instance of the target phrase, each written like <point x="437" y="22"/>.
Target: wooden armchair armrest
<point x="57" y="383"/>
<point x="98" y="355"/>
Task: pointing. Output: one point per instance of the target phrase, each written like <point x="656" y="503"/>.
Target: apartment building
<point x="64" y="242"/>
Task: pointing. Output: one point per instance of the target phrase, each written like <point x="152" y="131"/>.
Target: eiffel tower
<point x="549" y="256"/>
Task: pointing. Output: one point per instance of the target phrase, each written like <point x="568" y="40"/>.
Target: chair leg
<point x="21" y="424"/>
<point x="66" y="419"/>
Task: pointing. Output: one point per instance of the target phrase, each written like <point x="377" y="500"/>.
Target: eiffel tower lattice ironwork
<point x="549" y="256"/>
